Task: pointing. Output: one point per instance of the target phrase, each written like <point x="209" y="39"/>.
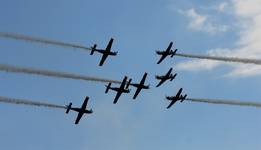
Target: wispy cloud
<point x="248" y="15"/>
<point x="222" y="7"/>
<point x="200" y="22"/>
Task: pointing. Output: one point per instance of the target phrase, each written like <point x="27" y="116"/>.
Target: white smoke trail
<point x="225" y="102"/>
<point x="29" y="102"/>
<point x="59" y="43"/>
<point x="40" y="40"/>
<point x="219" y="58"/>
<point x="11" y="68"/>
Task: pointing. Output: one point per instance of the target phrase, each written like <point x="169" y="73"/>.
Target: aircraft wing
<point x="108" y="48"/>
<point x="84" y="105"/>
<point x="162" y="58"/>
<point x="169" y="72"/>
<point x="179" y="93"/>
<point x="143" y="78"/>
<point x="79" y="116"/>
<point x="161" y="82"/>
<point x="137" y="93"/>
<point x="169" y="47"/>
<point x="172" y="103"/>
<point x="123" y="83"/>
<point x="117" y="97"/>
<point x="104" y="56"/>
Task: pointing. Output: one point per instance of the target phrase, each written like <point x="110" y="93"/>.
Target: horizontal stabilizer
<point x="93" y="49"/>
<point x="183" y="98"/>
<point x="173" y="77"/>
<point x="174" y="53"/>
<point x="68" y="108"/>
<point x="128" y="84"/>
<point x="108" y="87"/>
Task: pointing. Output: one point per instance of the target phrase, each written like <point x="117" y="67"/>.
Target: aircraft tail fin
<point x="183" y="98"/>
<point x="173" y="77"/>
<point x="108" y="87"/>
<point x="93" y="49"/>
<point x="128" y="84"/>
<point x="174" y="53"/>
<point x="128" y="90"/>
<point x="68" y="108"/>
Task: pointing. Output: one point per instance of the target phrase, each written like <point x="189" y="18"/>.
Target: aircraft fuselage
<point x="82" y="110"/>
<point x="120" y="90"/>
<point x="140" y="86"/>
<point x="163" y="77"/>
<point x="106" y="52"/>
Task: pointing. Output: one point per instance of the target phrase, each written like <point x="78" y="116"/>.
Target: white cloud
<point x="197" y="20"/>
<point x="199" y="65"/>
<point x="247" y="8"/>
<point x="244" y="71"/>
<point x="202" y="22"/>
<point x="248" y="14"/>
<point x="222" y="7"/>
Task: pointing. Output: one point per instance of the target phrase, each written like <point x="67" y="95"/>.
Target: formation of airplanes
<point x="126" y="83"/>
<point x="107" y="52"/>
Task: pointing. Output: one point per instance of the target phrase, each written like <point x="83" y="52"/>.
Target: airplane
<point x="166" y="77"/>
<point x="80" y="111"/>
<point x="105" y="52"/>
<point x="139" y="86"/>
<point x="176" y="98"/>
<point x="166" y="53"/>
<point x="120" y="90"/>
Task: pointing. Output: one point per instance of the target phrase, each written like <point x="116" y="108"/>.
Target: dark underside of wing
<point x="117" y="97"/>
<point x="161" y="82"/>
<point x="172" y="103"/>
<point x="162" y="58"/>
<point x="104" y="56"/>
<point x="137" y="93"/>
<point x="108" y="48"/>
<point x="79" y="116"/>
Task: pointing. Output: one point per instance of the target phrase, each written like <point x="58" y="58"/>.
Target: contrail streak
<point x="41" y="40"/>
<point x="225" y="102"/>
<point x="219" y="58"/>
<point x="59" y="43"/>
<point x="29" y="102"/>
<point x="11" y="68"/>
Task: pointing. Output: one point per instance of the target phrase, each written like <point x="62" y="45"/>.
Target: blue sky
<point x="139" y="28"/>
